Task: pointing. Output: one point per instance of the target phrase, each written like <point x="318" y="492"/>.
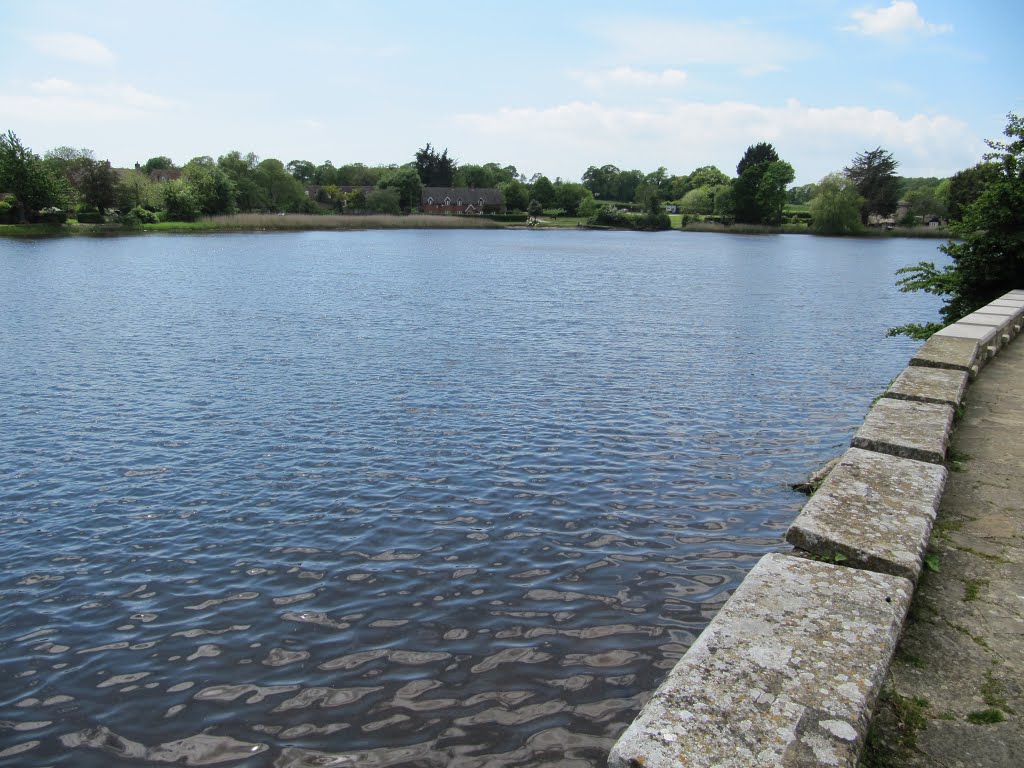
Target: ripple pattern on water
<point x="405" y="498"/>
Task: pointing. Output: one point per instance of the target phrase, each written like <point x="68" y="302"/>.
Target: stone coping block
<point x="1006" y="324"/>
<point x="929" y="385"/>
<point x="905" y="428"/>
<point x="981" y="334"/>
<point x="786" y="674"/>
<point x="1016" y="293"/>
<point x="949" y="352"/>
<point x="874" y="510"/>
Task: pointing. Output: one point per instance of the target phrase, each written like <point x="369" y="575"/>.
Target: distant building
<point x="466" y="200"/>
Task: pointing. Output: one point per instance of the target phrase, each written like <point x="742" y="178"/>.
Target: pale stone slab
<point x="949" y="352"/>
<point x="876" y="511"/>
<point x="785" y="675"/>
<point x="1017" y="293"/>
<point x="929" y="385"/>
<point x="981" y="334"/>
<point x="1006" y="325"/>
<point x="904" y="428"/>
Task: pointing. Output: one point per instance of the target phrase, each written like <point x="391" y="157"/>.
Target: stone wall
<point x="788" y="672"/>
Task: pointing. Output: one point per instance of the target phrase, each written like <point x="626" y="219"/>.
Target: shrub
<point x="138" y="216"/>
<point x="6" y="212"/>
<point x="52" y="216"/>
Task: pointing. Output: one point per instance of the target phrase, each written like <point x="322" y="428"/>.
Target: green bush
<point x="6" y="212"/>
<point x="138" y="216"/>
<point x="52" y="216"/>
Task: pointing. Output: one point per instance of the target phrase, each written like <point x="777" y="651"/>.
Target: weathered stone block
<point x="786" y="673"/>
<point x="874" y="510"/>
<point x="949" y="352"/>
<point x="929" y="385"/>
<point x="908" y="429"/>
<point x="1005" y="324"/>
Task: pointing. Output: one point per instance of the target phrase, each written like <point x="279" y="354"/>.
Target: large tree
<point x="965" y="186"/>
<point x="874" y="174"/>
<point x="407" y="182"/>
<point x="434" y="170"/>
<point x="988" y="254"/>
<point x="24" y="173"/>
<point x="759" y="191"/>
<point x="836" y="206"/>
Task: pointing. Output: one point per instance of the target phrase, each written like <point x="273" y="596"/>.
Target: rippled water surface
<point x="403" y="498"/>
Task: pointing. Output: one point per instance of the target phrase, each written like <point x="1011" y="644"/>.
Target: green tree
<point x="700" y="201"/>
<point x="707" y="176"/>
<point x="874" y="174"/>
<point x="22" y="172"/>
<point x="759" y="191"/>
<point x="543" y="191"/>
<point x="535" y="208"/>
<point x="569" y="196"/>
<point x="384" y="201"/>
<point x="407" y="182"/>
<point x="213" y="189"/>
<point x="283" y="192"/>
<point x="965" y="186"/>
<point x="434" y="170"/>
<point x="987" y="258"/>
<point x="516" y="195"/>
<point x="135" y="190"/>
<point x="475" y="176"/>
<point x="99" y="185"/>
<point x="180" y="203"/>
<point x="303" y="170"/>
<point x="159" y="163"/>
<point x="836" y="206"/>
<point x="242" y="171"/>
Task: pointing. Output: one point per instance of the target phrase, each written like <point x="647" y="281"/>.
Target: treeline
<point x="68" y="181"/>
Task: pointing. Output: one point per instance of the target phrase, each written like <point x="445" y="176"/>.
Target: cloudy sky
<point x="549" y="87"/>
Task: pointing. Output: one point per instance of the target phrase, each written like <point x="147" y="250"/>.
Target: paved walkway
<point x="955" y="693"/>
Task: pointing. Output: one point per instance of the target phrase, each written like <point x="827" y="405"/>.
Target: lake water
<point x="402" y="498"/>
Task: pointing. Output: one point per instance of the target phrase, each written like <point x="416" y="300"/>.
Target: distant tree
<point x="99" y="185"/>
<point x="23" y="173"/>
<point x="967" y="185"/>
<point x="325" y="174"/>
<point x="700" y="201"/>
<point x="987" y="258"/>
<point x="180" y="203"/>
<point x="516" y="195"/>
<point x="874" y="174"/>
<point x="282" y="191"/>
<point x="384" y="201"/>
<point x="212" y="188"/>
<point x="661" y="181"/>
<point x="535" y="208"/>
<point x="407" y="182"/>
<point x="836" y="206"/>
<point x="759" y="191"/>
<point x="569" y="196"/>
<point x="358" y="175"/>
<point x="159" y="163"/>
<point x="802" y="195"/>
<point x="543" y="191"/>
<point x="242" y="171"/>
<point x="602" y="182"/>
<point x="434" y="170"/>
<point x="475" y="176"/>
<point x="135" y="190"/>
<point x="303" y="170"/>
<point x="707" y="176"/>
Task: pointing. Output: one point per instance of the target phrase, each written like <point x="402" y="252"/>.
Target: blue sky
<point x="548" y="87"/>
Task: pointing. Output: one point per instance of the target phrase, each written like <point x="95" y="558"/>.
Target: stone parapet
<point x="942" y="386"/>
<point x="785" y="674"/>
<point x="913" y="430"/>
<point x="873" y="511"/>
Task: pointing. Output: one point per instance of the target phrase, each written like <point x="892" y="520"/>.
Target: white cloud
<point x="70" y="103"/>
<point x="629" y="78"/>
<point x="80" y="48"/>
<point x="567" y="138"/>
<point x="899" y="17"/>
<point x="735" y="44"/>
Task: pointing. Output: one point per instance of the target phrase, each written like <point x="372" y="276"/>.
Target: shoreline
<point x="337" y="223"/>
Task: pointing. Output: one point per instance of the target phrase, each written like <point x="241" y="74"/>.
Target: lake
<point x="402" y="498"/>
